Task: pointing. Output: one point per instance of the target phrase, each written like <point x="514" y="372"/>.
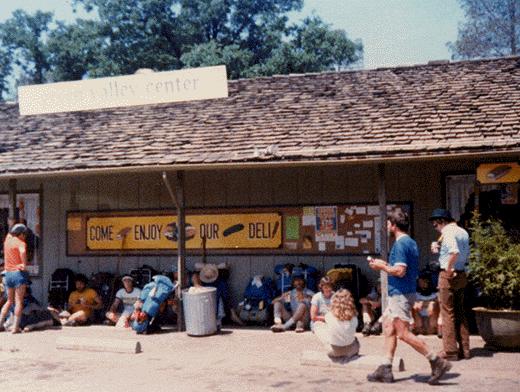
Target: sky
<point x="393" y="32"/>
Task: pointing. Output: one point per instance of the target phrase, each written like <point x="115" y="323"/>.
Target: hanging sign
<point x="120" y="91"/>
<point x="232" y="231"/>
<point x="498" y="173"/>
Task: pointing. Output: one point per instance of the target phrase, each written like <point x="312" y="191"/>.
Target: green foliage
<point x="491" y="29"/>
<point x="251" y="37"/>
<point x="495" y="263"/>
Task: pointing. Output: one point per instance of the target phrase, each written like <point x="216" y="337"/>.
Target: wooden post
<point x="12" y="203"/>
<point x="383" y="231"/>
<point x="181" y="246"/>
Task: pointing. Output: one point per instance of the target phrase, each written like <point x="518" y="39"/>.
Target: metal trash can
<point x="200" y="311"/>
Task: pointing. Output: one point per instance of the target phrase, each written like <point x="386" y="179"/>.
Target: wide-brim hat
<point x="208" y="273"/>
<point x="441" y="213"/>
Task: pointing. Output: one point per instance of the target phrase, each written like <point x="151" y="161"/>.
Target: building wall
<point x="420" y="183"/>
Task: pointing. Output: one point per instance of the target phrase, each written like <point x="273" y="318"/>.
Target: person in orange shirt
<point x="82" y="303"/>
<point x="15" y="277"/>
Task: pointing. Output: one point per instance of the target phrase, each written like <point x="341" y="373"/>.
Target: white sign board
<point x="139" y="89"/>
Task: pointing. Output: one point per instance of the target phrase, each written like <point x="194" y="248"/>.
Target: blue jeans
<point x="15" y="279"/>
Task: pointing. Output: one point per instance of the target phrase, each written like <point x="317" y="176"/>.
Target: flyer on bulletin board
<point x="326" y="224"/>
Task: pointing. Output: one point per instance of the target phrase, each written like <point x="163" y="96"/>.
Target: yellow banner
<point x="233" y="231"/>
<point x="498" y="173"/>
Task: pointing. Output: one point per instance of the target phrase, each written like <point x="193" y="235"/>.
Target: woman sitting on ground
<point x="320" y="303"/>
<point x="338" y="331"/>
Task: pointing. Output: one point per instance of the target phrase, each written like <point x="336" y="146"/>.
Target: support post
<point x="12" y="203"/>
<point x="181" y="247"/>
<point x="383" y="231"/>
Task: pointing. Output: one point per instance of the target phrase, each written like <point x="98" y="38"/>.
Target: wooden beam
<point x="12" y="203"/>
<point x="383" y="231"/>
<point x="98" y="345"/>
<point x="181" y="246"/>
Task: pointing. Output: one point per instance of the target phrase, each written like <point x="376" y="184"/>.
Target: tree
<point x="23" y="37"/>
<point x="251" y="37"/>
<point x="492" y="29"/>
<point x="5" y="71"/>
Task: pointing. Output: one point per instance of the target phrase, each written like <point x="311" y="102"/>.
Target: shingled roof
<point x="439" y="109"/>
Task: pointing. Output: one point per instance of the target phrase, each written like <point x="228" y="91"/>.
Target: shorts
<point x="14" y="279"/>
<point x="400" y="306"/>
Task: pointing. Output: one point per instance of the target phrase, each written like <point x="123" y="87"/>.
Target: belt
<point x="459" y="271"/>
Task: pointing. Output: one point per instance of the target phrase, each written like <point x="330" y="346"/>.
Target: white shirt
<point x="128" y="299"/>
<point x="341" y="333"/>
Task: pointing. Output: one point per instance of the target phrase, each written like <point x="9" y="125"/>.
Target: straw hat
<point x="208" y="273"/>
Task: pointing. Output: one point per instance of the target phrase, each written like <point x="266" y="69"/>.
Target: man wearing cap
<point x="127" y="296"/>
<point x="453" y="256"/>
<point x="15" y="277"/>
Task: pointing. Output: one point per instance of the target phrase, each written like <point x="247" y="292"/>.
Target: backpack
<point x="153" y="295"/>
<point x="142" y="275"/>
<point x="348" y="276"/>
<point x="257" y="298"/>
<point x="60" y="287"/>
<point x="286" y="272"/>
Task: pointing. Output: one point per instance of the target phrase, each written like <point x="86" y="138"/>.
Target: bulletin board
<point x="352" y="229"/>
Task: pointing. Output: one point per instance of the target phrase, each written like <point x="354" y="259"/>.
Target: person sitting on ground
<point x="338" y="332"/>
<point x="292" y="307"/>
<point x="126" y="296"/>
<point x="320" y="302"/>
<point x="82" y="303"/>
<point x="371" y="312"/>
<point x="34" y="316"/>
<point x="426" y="307"/>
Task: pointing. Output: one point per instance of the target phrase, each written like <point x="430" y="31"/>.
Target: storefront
<point x="284" y="169"/>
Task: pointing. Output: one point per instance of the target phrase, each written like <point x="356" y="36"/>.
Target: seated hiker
<point x="82" y="303"/>
<point x="292" y="307"/>
<point x="126" y="296"/>
<point x="338" y="332"/>
<point x="371" y="312"/>
<point x="34" y="316"/>
<point x="426" y="307"/>
<point x="320" y="302"/>
<point x="154" y="294"/>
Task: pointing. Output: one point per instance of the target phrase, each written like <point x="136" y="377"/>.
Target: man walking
<point x="453" y="255"/>
<point x="402" y="270"/>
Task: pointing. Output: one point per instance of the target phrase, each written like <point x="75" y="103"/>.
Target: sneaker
<point x="376" y="329"/>
<point x="439" y="368"/>
<point x="277" y="328"/>
<point x="366" y="329"/>
<point x="300" y="327"/>
<point x="382" y="374"/>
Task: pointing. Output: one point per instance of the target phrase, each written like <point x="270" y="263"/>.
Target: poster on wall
<point x="226" y="231"/>
<point x="326" y="224"/>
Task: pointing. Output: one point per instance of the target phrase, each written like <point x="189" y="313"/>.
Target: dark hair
<point x="301" y="277"/>
<point x="80" y="278"/>
<point x="325" y="281"/>
<point x="399" y="218"/>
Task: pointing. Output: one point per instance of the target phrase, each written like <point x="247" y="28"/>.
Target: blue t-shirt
<point x="404" y="252"/>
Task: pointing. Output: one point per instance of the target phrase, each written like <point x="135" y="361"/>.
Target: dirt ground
<point x="241" y="359"/>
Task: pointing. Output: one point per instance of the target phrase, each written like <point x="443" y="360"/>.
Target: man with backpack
<point x="293" y="307"/>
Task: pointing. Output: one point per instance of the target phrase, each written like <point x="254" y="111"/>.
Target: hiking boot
<point x="439" y="368"/>
<point x="382" y="374"/>
<point x="376" y="329"/>
<point x="366" y="329"/>
<point x="277" y="328"/>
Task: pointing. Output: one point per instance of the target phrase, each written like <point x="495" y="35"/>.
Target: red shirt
<point x="15" y="255"/>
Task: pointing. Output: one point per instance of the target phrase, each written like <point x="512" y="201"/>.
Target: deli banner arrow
<point x="151" y="232"/>
<point x="498" y="173"/>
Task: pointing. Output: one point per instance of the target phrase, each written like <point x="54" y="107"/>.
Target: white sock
<point x="431" y="356"/>
<point x="388" y="361"/>
<point x="289" y="323"/>
<point x="366" y="318"/>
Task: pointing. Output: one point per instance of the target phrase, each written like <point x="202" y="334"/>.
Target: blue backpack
<point x="257" y="299"/>
<point x="153" y="295"/>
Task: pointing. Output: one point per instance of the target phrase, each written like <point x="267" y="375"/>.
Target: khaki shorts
<point x="400" y="306"/>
